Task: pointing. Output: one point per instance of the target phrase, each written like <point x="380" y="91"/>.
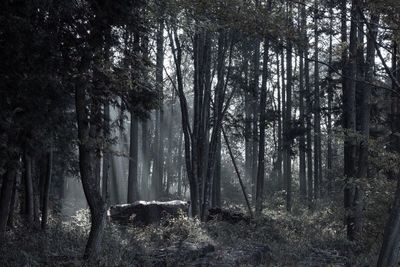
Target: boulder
<point x="146" y="212"/>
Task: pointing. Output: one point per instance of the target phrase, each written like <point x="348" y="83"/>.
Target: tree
<point x="350" y="192"/>
<point x="288" y="120"/>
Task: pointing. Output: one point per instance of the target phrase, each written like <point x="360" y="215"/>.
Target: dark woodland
<point x="200" y="133"/>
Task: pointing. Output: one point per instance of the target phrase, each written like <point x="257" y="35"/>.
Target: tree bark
<point x="146" y="159"/>
<point x="317" y="115"/>
<point x="13" y="203"/>
<point x="350" y="127"/>
<point x="288" y="122"/>
<point x="157" y="179"/>
<point x="97" y="206"/>
<point x="216" y="197"/>
<point x="133" y="192"/>
<point x="302" y="138"/>
<point x="107" y="157"/>
<point x="187" y="133"/>
<point x="390" y="251"/>
<point x="29" y="198"/>
<point x="261" y="144"/>
<point x="329" y="157"/>
<point x="46" y="187"/>
<point x="6" y="193"/>
<point x="279" y="182"/>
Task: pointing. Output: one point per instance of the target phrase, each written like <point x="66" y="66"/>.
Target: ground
<point x="302" y="238"/>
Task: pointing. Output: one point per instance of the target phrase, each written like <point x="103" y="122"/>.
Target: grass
<point x="302" y="238"/>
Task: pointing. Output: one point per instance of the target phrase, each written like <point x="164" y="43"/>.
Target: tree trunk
<point x="146" y="159"/>
<point x="133" y="192"/>
<point x="288" y="122"/>
<point x="107" y="157"/>
<point x="46" y="188"/>
<point x="219" y="96"/>
<point x="187" y="133"/>
<point x="350" y="127"/>
<point x="158" y="168"/>
<point x="329" y="157"/>
<point x="390" y="251"/>
<point x="170" y="149"/>
<point x="216" y="196"/>
<point x="29" y="198"/>
<point x="178" y="167"/>
<point x="261" y="144"/>
<point x="97" y="206"/>
<point x="6" y="193"/>
<point x="279" y="157"/>
<point x="302" y="139"/>
<point x="366" y="96"/>
<point x="13" y="203"/>
<point x="317" y="115"/>
<point x="284" y="124"/>
<point x="247" y="119"/>
<point x="254" y="87"/>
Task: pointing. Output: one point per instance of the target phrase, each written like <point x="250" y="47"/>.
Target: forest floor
<point x="302" y="238"/>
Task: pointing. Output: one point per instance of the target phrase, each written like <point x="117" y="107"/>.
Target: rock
<point x="146" y="212"/>
<point x="227" y="216"/>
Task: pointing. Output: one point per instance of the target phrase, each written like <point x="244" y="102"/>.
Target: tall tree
<point x="261" y="147"/>
<point x="157" y="175"/>
<point x="302" y="119"/>
<point x="350" y="192"/>
<point x="317" y="108"/>
<point x="288" y="118"/>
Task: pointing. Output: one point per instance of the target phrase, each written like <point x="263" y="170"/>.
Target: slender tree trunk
<point x="350" y="113"/>
<point x="216" y="197"/>
<point x="115" y="197"/>
<point x="309" y="109"/>
<point x="329" y="157"/>
<point x="317" y="115"/>
<point x="6" y="193"/>
<point x="107" y="157"/>
<point x="159" y="137"/>
<point x="146" y="159"/>
<point x="302" y="138"/>
<point x="95" y="201"/>
<point x="179" y="164"/>
<point x="187" y="133"/>
<point x="279" y="157"/>
<point x="284" y="119"/>
<point x="261" y="146"/>
<point x="29" y="198"/>
<point x="237" y="172"/>
<point x="366" y="96"/>
<point x="170" y="158"/>
<point x="288" y="122"/>
<point x="13" y="203"/>
<point x="214" y="144"/>
<point x="254" y="85"/>
<point x="133" y="192"/>
<point x="247" y="119"/>
<point x="390" y="251"/>
<point x="46" y="187"/>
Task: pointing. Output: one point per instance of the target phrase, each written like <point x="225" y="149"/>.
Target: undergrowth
<point x="302" y="238"/>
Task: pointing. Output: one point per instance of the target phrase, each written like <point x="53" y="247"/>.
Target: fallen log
<point x="146" y="212"/>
